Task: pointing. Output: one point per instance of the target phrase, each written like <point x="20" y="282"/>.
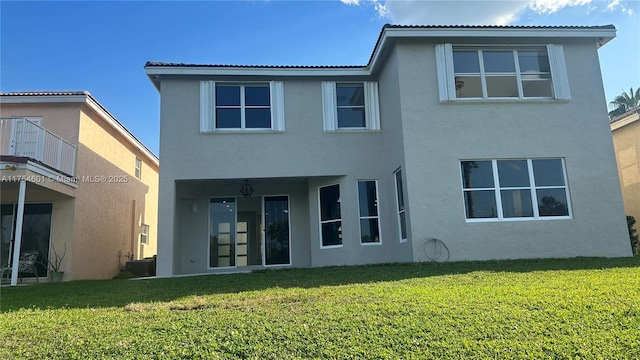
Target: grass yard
<point x="532" y="309"/>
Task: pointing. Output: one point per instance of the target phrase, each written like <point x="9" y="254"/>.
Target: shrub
<point x="633" y="236"/>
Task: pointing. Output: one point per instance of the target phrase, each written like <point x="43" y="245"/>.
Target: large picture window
<point x="501" y="72"/>
<point x="515" y="189"/>
<point x="369" y="213"/>
<point x="330" y="216"/>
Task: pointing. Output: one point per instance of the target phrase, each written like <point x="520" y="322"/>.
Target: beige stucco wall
<point x="60" y="118"/>
<point x="626" y="141"/>
<point x="112" y="203"/>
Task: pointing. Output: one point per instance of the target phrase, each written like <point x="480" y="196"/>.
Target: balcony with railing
<point x="22" y="137"/>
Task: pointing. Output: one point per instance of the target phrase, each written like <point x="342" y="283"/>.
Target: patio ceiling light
<point x="246" y="190"/>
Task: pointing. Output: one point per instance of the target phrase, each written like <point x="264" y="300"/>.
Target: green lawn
<point x="536" y="309"/>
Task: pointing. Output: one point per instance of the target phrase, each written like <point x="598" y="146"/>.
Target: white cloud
<point x="472" y="12"/>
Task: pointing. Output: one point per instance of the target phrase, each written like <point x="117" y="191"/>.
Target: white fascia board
<point x="122" y="130"/>
<point x="605" y="34"/>
<point x="257" y="71"/>
<point x="621" y="123"/>
<point x="33" y="99"/>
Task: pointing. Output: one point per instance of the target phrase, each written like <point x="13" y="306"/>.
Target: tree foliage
<point x="624" y="102"/>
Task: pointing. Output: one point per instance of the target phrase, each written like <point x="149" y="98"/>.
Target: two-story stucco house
<point x="74" y="178"/>
<point x="452" y="143"/>
<point x="625" y="130"/>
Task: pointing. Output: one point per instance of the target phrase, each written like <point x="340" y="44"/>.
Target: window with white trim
<point x="501" y="72"/>
<point x="350" y="106"/>
<point x="138" y="168"/>
<point x="369" y="213"/>
<point x="515" y="189"/>
<point x="402" y="221"/>
<point x="144" y="234"/>
<point x="226" y="106"/>
<point x="330" y="216"/>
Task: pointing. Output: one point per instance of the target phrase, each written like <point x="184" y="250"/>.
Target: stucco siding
<point x="438" y="135"/>
<point x="626" y="140"/>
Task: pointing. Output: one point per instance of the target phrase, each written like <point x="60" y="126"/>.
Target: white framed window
<point x="515" y="189"/>
<point x="369" y="212"/>
<point x="144" y="234"/>
<point x="350" y="106"/>
<point x="227" y="106"/>
<point x="138" y="168"/>
<point x="330" y="216"/>
<point x="501" y="72"/>
<point x="402" y="220"/>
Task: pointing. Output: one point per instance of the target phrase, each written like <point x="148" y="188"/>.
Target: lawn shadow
<point x="118" y="293"/>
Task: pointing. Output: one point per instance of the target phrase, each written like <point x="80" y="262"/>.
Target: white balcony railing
<point x="22" y="137"/>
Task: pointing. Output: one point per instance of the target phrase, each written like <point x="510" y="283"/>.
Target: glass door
<point x="222" y="232"/>
<point x="276" y="230"/>
<point x="6" y="236"/>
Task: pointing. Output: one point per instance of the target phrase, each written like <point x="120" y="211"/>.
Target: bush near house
<point x="534" y="309"/>
<point x="633" y="236"/>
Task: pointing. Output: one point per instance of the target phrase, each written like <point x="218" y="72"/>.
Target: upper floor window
<point x="515" y="189"/>
<point x="138" y="168"/>
<point x="350" y="106"/>
<point x="241" y="106"/>
<point x="494" y="73"/>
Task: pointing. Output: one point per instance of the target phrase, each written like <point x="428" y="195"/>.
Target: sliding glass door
<point x="249" y="231"/>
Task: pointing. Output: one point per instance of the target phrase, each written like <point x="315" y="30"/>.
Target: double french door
<point x="249" y="231"/>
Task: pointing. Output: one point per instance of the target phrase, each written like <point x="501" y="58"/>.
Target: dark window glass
<point x="403" y="226"/>
<point x="351" y="118"/>
<point x="256" y="96"/>
<point x="400" y="191"/>
<point x="330" y="203"/>
<point x="332" y="233"/>
<point x="257" y="119"/>
<point x="468" y="86"/>
<point x="350" y="95"/>
<point x="516" y="203"/>
<point x="513" y="173"/>
<point x="227" y="96"/>
<point x="368" y="198"/>
<point x="548" y="172"/>
<point x="480" y="204"/>
<point x="369" y="231"/>
<point x="466" y="61"/>
<point x="498" y="61"/>
<point x="477" y="174"/>
<point x="552" y="202"/>
<point x="533" y="61"/>
<point x="502" y="86"/>
<point x="228" y="118"/>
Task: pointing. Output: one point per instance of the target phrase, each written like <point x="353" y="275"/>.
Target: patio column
<point x="18" y="239"/>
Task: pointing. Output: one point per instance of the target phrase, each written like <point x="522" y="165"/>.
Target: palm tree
<point x="624" y="102"/>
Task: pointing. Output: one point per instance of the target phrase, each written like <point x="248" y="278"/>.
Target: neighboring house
<point x="87" y="184"/>
<point x="626" y="142"/>
<point x="493" y="140"/>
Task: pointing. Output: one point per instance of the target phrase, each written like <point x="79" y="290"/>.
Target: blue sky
<point x="102" y="47"/>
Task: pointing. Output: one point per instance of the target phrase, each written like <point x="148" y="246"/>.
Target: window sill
<point x="352" y="130"/>
<point x="379" y="243"/>
<point x="331" y="247"/>
<point x="505" y="100"/>
<point x="495" y="220"/>
<point x="240" y="131"/>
